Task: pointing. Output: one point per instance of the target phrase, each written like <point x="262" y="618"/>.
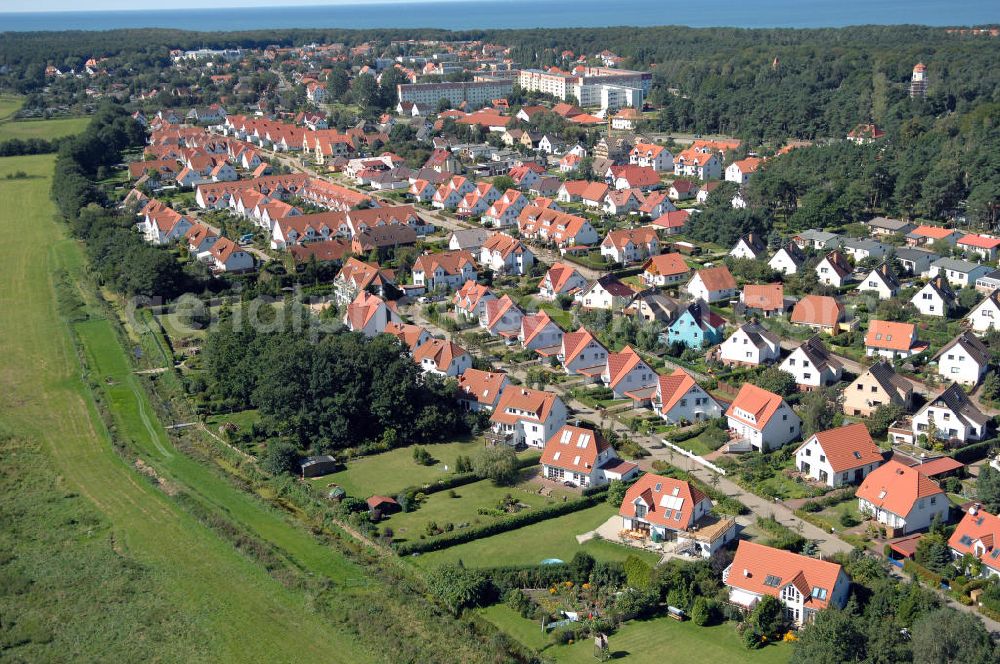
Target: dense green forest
<point x="330" y="392"/>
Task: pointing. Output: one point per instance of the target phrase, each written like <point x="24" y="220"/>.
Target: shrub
<point x="499" y="464"/>
<point x="281" y="457"/>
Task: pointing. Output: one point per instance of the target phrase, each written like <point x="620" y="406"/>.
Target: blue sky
<point x="139" y="5"/>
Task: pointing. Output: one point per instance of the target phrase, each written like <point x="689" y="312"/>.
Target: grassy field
<point x="9" y="105"/>
<point x="555" y="538"/>
<point x="659" y="639"/>
<point x="224" y="596"/>
<point x="47" y="129"/>
<point x="390" y="472"/>
<point x="441" y="508"/>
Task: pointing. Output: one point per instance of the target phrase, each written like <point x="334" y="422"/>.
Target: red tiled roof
<point x="574" y="449"/>
<point x="817" y="310"/>
<point x="979" y="241"/>
<point x="847" y="447"/>
<point x="890" y="335"/>
<point x="978" y="535"/>
<point x="484" y="386"/>
<point x="669" y="502"/>
<point x="717" y="278"/>
<point x="757" y="401"/>
<point x="763" y="570"/>
<point x="766" y="297"/>
<point x="666" y="265"/>
<point x="896" y="488"/>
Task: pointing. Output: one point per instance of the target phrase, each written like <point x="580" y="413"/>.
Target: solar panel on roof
<point x="772" y="580"/>
<point x="966" y="540"/>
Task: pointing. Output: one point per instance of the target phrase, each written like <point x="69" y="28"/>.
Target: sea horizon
<point x="521" y="14"/>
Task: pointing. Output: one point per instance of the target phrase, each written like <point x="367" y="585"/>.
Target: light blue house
<point x="696" y="326"/>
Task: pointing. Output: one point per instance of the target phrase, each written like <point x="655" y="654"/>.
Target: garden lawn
<point x="47" y="129"/>
<point x="552" y="538"/>
<point x="526" y="632"/>
<point x="390" y="472"/>
<point x="662" y="639"/>
<point x="441" y="508"/>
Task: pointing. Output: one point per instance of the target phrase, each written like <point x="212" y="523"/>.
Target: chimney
<point x="746" y="573"/>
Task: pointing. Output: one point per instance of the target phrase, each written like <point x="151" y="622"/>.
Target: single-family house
<point x="679" y="399"/>
<point x="901" y="498"/>
<point x="623" y="201"/>
<point x="468" y="239"/>
<point x="787" y="260"/>
<point x="817" y="239"/>
<point x="884" y="226"/>
<point x="693" y="162"/>
<point x="671" y="222"/>
<point x="506" y="255"/>
<point x="879" y="385"/>
<point x="804" y="585"/>
<point x="978" y="535"/>
<point x="984" y="247"/>
<point x="761" y="419"/>
<point x="674" y="511"/>
<point x="764" y="299"/>
<point x="369" y="314"/>
<point x="628" y="375"/>
<point x="936" y="298"/>
<point x="963" y="360"/>
<point x="712" y="284"/>
<point x="606" y="293"/>
<point x="447" y="270"/>
<point x="682" y="190"/>
<point x="882" y="281"/>
<point x="812" y="365"/>
<point x="200" y="239"/>
<point x="860" y="248"/>
<point x="665" y="270"/>
<point x="581" y="353"/>
<point x="892" y="339"/>
<point x="442" y="358"/>
<point x="988" y="283"/>
<point x="740" y="171"/>
<point x="655" y="204"/>
<point x="502" y="317"/>
<point x="959" y="273"/>
<point x="914" y="261"/>
<point x="480" y="390"/>
<point x="578" y="456"/>
<point x="470" y="300"/>
<point x="643" y="178"/>
<point x="540" y="333"/>
<point x="696" y="326"/>
<point x="985" y="316"/>
<point x="820" y="312"/>
<point x="528" y="417"/>
<point x="410" y="336"/>
<point x="924" y="234"/>
<point x="834" y="270"/>
<point x="951" y="417"/>
<point x="750" y="246"/>
<point x="356" y="276"/>
<point x="630" y="245"/>
<point x="750" y="345"/>
<point x="561" y="279"/>
<point x="835" y="457"/>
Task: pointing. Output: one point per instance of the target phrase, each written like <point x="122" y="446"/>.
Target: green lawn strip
<point x="391" y="472"/>
<point x="660" y="639"/>
<point x="47" y="129"/>
<point x="553" y="538"/>
<point x="526" y="632"/>
<point x="138" y="423"/>
<point x="225" y="595"/>
<point x="442" y="509"/>
<point x="9" y="105"/>
<point x="244" y="419"/>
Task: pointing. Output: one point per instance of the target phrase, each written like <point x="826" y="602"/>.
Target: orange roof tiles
<point x="717" y="278"/>
<point x="763" y="570"/>
<point x="766" y="297"/>
<point x="574" y="448"/>
<point x="669" y="502"/>
<point x="666" y="265"/>
<point x="890" y="335"/>
<point x="897" y="488"/>
<point x="756" y="401"/>
<point x="820" y="310"/>
<point x="847" y="447"/>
